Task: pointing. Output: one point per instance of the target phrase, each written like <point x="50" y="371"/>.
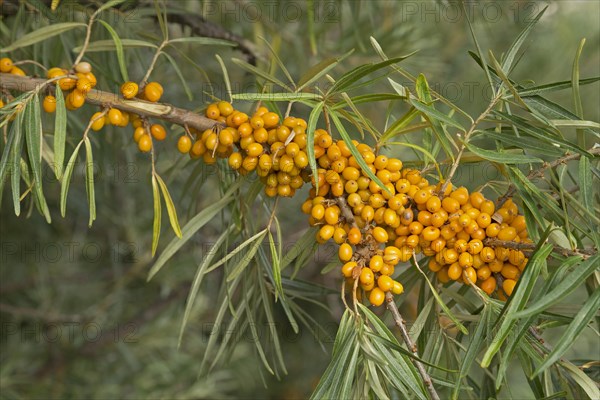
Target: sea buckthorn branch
<point x="466" y="138"/>
<point x="539" y="173"/>
<point x="412" y="347"/>
<point x="583" y="253"/>
<point x="162" y="111"/>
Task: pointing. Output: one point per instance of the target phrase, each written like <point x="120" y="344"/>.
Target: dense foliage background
<point x="78" y="317"/>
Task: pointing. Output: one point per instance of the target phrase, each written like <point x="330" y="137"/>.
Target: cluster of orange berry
<point x="80" y="81"/>
<point x="389" y="224"/>
<point x="276" y="151"/>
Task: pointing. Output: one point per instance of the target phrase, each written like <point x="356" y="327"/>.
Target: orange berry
<point x="153" y="91"/>
<point x="508" y="286"/>
<point x="488" y="285"/>
<point x="348" y="268"/>
<point x="184" y="144"/>
<point x="6" y="64"/>
<point x="345" y="252"/>
<point x="376" y="297"/>
<point x="145" y="143"/>
<point x="129" y="90"/>
<point x="99" y="121"/>
<point x="354" y="235"/>
<point x="49" y="104"/>
<point x="158" y="132"/>
<point x="115" y="116"/>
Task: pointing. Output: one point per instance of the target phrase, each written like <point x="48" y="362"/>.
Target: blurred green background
<point x="79" y="319"/>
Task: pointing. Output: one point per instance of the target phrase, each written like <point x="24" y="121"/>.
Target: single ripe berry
<point x="75" y="99"/>
<point x="184" y="144"/>
<point x="380" y="235"/>
<point x="366" y="276"/>
<point x="129" y="90"/>
<point x="153" y="91"/>
<point x="345" y="252"/>
<point x="508" y="286"/>
<point x="225" y="108"/>
<point x="145" y="143"/>
<point x="83" y="84"/>
<point x="138" y="133"/>
<point x="376" y="297"/>
<point x="354" y="236"/>
<point x="98" y="123"/>
<point x="348" y="268"/>
<point x="397" y="288"/>
<point x="115" y="116"/>
<point x="6" y="64"/>
<point x="83" y="67"/>
<point x="158" y="132"/>
<point x="385" y="283"/>
<point x="17" y="71"/>
<point x="49" y="104"/>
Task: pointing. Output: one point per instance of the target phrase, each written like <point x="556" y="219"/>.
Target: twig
<point x="584" y="253"/>
<point x="412" y="347"/>
<point x="162" y="111"/>
<point x="538" y="173"/>
<point x="346" y="211"/>
<point x="153" y="63"/>
<point x="456" y="162"/>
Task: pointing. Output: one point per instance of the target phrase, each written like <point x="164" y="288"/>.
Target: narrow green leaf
<point x="352" y="76"/>
<point x="89" y="180"/>
<point x="567" y="285"/>
<point x="200" y="272"/>
<point x="550" y="87"/>
<point x="508" y="61"/>
<point x="225" y="77"/>
<point x="576" y="123"/>
<point x="580" y="322"/>
<point x="479" y="52"/>
<point x="503" y="158"/>
<point x="359" y="159"/>
<point x="33" y="137"/>
<point x="306" y="241"/>
<point x="575" y="82"/>
<point x="109" y="4"/>
<point x="431" y="112"/>
<point x="12" y="160"/>
<point x="183" y="80"/>
<point x="517" y="301"/>
<point x="258" y="72"/>
<point x="204" y="41"/>
<point x="277" y="96"/>
<point x="170" y="206"/>
<point x="157" y="215"/>
<point x="310" y="140"/>
<point x="586" y="188"/>
<point x="477" y="340"/>
<point x="585" y="382"/>
<point x="317" y="71"/>
<point x="109" y="45"/>
<point x="276" y="263"/>
<point x="42" y="34"/>
<point x="507" y="83"/>
<point x="5" y="164"/>
<point x="256" y="339"/>
<point x="60" y="133"/>
<point x="66" y="180"/>
<point x="280" y="63"/>
<point x="201" y="219"/>
<point x="119" y="50"/>
<point x="237" y="269"/>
